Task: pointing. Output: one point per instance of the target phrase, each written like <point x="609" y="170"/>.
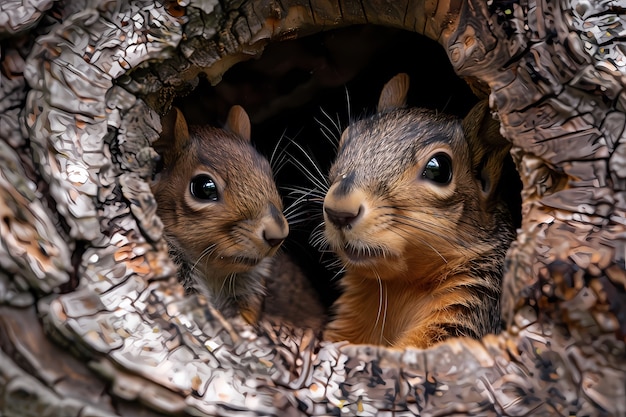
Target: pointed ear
<point x="487" y="147"/>
<point x="174" y="136"/>
<point x="238" y="122"/>
<point x="394" y="93"/>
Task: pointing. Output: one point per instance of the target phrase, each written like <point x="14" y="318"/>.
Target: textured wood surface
<point x="92" y="322"/>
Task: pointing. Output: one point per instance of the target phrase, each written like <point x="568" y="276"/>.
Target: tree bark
<point x="93" y="322"/>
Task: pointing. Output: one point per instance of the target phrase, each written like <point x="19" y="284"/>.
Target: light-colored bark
<point x="83" y="260"/>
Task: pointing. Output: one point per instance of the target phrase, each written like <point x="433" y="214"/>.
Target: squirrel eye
<point x="439" y="169"/>
<point x="203" y="188"/>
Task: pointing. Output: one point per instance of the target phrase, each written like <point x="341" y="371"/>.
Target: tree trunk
<point x="93" y="321"/>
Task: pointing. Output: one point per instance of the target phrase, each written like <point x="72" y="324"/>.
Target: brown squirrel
<point x="414" y="214"/>
<point x="223" y="221"/>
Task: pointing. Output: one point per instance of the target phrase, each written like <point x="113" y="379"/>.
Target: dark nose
<point x="275" y="228"/>
<point x="342" y="218"/>
<point x="271" y="240"/>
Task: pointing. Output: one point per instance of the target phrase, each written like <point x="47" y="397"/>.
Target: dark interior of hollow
<point x="291" y="88"/>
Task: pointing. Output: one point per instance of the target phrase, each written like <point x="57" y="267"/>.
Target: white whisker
<point x="382" y="307"/>
<point x="340" y="272"/>
<point x="313" y="173"/>
<point x="278" y="158"/>
<point x="208" y="251"/>
<point x="348" y="103"/>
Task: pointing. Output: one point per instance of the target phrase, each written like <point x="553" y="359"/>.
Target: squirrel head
<point x="216" y="195"/>
<point x="412" y="189"/>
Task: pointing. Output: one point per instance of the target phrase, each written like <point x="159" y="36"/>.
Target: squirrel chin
<point x="371" y="260"/>
<point x="375" y="267"/>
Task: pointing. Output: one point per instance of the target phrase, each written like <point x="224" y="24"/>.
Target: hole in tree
<point x="295" y="84"/>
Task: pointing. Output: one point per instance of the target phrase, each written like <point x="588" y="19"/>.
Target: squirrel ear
<point x="394" y="93"/>
<point x="238" y="122"/>
<point x="487" y="147"/>
<point x="174" y="135"/>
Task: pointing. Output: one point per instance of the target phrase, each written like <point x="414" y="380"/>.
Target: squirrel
<point x="414" y="214"/>
<point x="223" y="221"/>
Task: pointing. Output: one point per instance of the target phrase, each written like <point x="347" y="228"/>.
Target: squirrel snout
<point x="275" y="228"/>
<point x="342" y="218"/>
<point x="343" y="208"/>
<point x="273" y="239"/>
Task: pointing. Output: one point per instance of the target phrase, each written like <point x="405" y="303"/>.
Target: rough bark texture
<point x="92" y="321"/>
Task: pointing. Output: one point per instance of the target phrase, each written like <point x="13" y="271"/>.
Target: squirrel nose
<point x="343" y="208"/>
<point x="273" y="239"/>
<point x="342" y="218"/>
<point x="275" y="228"/>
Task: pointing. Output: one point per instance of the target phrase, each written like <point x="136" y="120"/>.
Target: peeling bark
<point x="93" y="322"/>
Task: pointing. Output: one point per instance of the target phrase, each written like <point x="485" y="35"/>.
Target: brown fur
<point x="423" y="261"/>
<point x="290" y="297"/>
<point x="219" y="245"/>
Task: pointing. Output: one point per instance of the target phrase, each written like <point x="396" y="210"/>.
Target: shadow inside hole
<point x="298" y="84"/>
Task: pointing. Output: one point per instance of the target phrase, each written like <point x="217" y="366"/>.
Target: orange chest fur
<point x="393" y="313"/>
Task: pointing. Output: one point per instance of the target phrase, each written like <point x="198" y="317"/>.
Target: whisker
<point x="413" y="237"/>
<point x="442" y="215"/>
<point x="330" y="136"/>
<point x="303" y="197"/>
<point x="297" y="189"/>
<point x="380" y="305"/>
<point x="279" y="164"/>
<point x="303" y="205"/>
<point x="313" y="173"/>
<point x="335" y="123"/>
<point x="207" y="252"/>
<point x="227" y="283"/>
<point x="232" y="280"/>
<point x="301" y="208"/>
<point x="304" y="216"/>
<point x="383" y="289"/>
<point x="318" y="239"/>
<point x="428" y="227"/>
<point x="348" y="103"/>
<point x="275" y="150"/>
<point x="340" y="272"/>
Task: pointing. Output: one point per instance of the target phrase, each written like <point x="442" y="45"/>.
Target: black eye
<point x="439" y="169"/>
<point x="203" y="188"/>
